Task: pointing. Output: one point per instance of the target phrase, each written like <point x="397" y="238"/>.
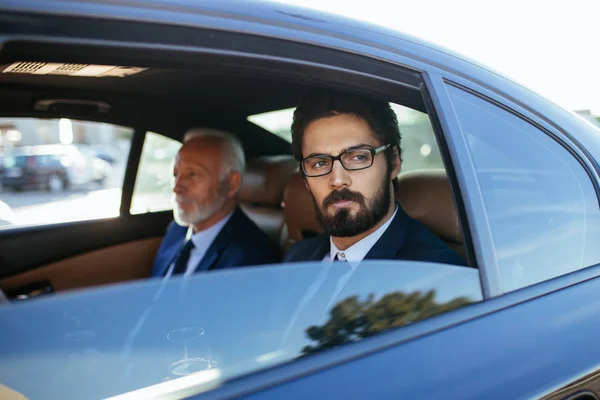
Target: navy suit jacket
<point x="239" y="243"/>
<point x="404" y="239"/>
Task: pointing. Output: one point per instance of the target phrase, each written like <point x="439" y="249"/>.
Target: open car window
<point x="153" y="183"/>
<point x="419" y="146"/>
<point x="224" y="324"/>
<point x="60" y="170"/>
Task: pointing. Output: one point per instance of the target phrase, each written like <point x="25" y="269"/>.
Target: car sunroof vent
<point x="68" y="69"/>
<point x="25" y="67"/>
<point x="82" y="70"/>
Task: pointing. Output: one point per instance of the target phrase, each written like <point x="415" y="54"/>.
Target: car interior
<point x="149" y="92"/>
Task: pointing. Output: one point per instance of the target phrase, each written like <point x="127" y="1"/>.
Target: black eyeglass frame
<point x="374" y="151"/>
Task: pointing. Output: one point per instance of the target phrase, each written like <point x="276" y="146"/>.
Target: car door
<point x="90" y="233"/>
<point x="532" y="201"/>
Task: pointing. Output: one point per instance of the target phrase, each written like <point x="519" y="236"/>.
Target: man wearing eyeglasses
<point x="349" y="151"/>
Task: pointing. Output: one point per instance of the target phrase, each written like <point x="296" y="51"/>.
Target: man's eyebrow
<point x="192" y="165"/>
<point x="201" y="166"/>
<point x="353" y="147"/>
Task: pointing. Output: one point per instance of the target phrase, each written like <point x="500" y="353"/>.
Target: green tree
<point x="352" y="319"/>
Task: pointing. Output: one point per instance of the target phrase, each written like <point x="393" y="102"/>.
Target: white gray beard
<point x="198" y="214"/>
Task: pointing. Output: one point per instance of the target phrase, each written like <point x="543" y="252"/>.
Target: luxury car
<point x="508" y="179"/>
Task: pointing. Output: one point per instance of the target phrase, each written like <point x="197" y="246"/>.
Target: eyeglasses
<point x="351" y="160"/>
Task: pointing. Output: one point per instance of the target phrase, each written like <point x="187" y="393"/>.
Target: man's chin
<point x="345" y="223"/>
<point x="182" y="218"/>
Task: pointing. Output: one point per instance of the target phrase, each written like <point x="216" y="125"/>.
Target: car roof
<point x="210" y="92"/>
<point x="199" y="23"/>
<point x="259" y="13"/>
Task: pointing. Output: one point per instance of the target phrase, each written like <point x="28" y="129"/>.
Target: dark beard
<point x="342" y="223"/>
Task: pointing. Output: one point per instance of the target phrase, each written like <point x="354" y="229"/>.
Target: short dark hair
<point x="326" y="103"/>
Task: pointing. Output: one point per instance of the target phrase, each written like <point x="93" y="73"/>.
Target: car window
<point x="419" y="146"/>
<point x="153" y="184"/>
<point x="219" y="325"/>
<point x="540" y="202"/>
<point x="60" y="170"/>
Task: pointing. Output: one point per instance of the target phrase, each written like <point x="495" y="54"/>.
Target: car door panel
<point x="543" y="348"/>
<point x="83" y="253"/>
<point x="118" y="263"/>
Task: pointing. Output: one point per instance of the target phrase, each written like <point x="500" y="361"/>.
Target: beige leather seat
<point x="262" y="192"/>
<point x="424" y="194"/>
<point x="299" y="211"/>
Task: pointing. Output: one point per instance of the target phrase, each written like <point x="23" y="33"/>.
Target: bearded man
<point x="349" y="152"/>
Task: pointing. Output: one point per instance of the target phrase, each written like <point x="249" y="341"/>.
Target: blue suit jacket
<point x="239" y="243"/>
<point x="404" y="239"/>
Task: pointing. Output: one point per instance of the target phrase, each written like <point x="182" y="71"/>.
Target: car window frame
<point x="131" y="170"/>
<point x="457" y="145"/>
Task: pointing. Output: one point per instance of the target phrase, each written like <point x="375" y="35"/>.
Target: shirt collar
<point x="355" y="253"/>
<point x="207" y="235"/>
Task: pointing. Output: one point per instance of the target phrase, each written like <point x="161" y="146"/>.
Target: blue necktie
<point x="183" y="258"/>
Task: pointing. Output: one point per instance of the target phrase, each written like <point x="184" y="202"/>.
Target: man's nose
<point x="338" y="177"/>
<point x="178" y="186"/>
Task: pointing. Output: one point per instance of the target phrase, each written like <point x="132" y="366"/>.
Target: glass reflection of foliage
<point x="351" y="319"/>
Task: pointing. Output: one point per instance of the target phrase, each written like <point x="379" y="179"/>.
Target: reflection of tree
<point x="352" y="319"/>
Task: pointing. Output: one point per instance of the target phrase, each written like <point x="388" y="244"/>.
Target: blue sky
<point x="550" y="47"/>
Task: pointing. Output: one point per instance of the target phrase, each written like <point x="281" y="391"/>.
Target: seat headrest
<point x="426" y="196"/>
<point x="299" y="210"/>
<point x="265" y="180"/>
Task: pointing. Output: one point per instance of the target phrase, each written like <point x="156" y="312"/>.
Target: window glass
<point x="153" y="184"/>
<point x="419" y="146"/>
<point x="60" y="170"/>
<point x="219" y="325"/>
<point x="540" y="202"/>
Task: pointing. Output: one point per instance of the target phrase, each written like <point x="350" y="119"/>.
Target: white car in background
<point x="52" y="167"/>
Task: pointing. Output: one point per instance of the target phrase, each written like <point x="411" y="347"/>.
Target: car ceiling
<point x="163" y="99"/>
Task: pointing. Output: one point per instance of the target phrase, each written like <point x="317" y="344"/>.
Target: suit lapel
<point x="392" y="239"/>
<point x="176" y="238"/>
<point x="321" y="249"/>
<point x="212" y="254"/>
<point x="208" y="260"/>
<point x="172" y="256"/>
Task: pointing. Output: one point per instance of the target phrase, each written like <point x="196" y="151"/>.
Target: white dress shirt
<point x="202" y="241"/>
<point x="359" y="250"/>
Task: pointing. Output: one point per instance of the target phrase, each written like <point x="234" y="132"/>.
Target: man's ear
<point x="396" y="162"/>
<point x="234" y="183"/>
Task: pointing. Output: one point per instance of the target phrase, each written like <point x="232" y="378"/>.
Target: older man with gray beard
<point x="210" y="231"/>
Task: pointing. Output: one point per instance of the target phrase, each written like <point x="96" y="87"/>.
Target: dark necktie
<point x="183" y="258"/>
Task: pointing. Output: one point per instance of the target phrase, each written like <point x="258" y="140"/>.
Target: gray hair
<point x="234" y="159"/>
